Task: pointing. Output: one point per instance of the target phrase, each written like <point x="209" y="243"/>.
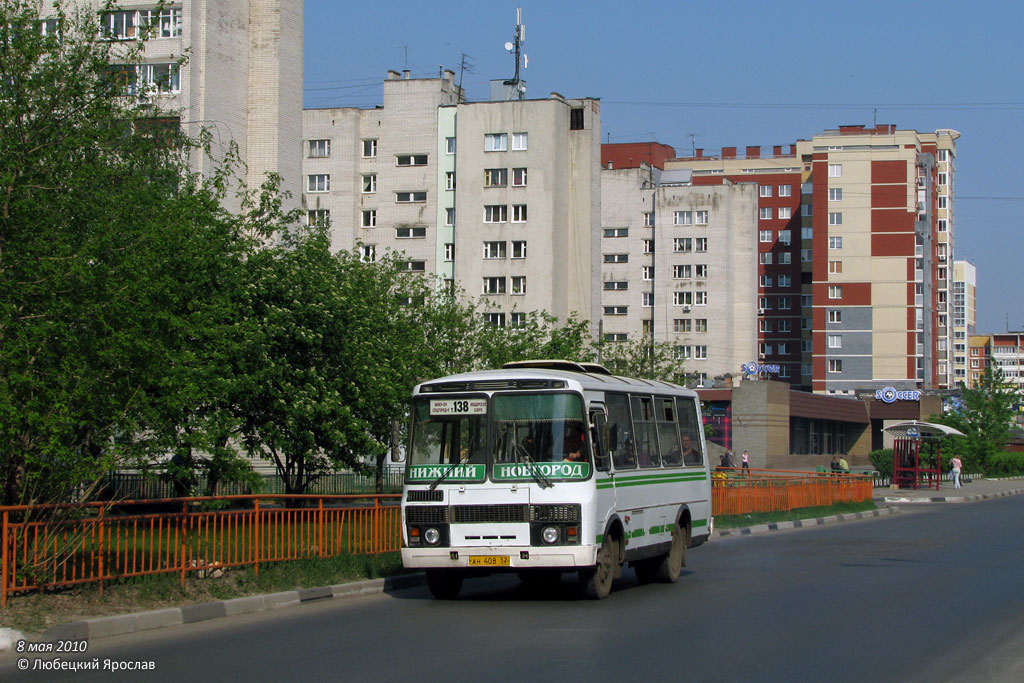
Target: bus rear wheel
<point x="444" y="584"/>
<point x="672" y="564"/>
<point x="596" y="581"/>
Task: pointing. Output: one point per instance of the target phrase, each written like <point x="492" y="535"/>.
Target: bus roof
<point x="535" y="377"/>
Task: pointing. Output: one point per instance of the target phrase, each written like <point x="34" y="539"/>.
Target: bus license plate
<point x="489" y="561"/>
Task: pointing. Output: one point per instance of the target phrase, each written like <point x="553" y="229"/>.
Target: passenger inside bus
<point x="690" y="455"/>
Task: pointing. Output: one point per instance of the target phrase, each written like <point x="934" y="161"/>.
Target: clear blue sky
<point x="734" y="74"/>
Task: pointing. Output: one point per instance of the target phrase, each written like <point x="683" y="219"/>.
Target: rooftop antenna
<point x="516" y="47"/>
<point x="693" y="144"/>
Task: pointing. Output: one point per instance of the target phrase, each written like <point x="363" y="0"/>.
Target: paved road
<point x="927" y="595"/>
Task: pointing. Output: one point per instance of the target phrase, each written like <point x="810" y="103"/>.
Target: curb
<point x="954" y="499"/>
<point x="120" y="624"/>
<point x="802" y="523"/>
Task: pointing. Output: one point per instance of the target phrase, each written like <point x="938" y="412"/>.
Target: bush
<point x="1006" y="464"/>
<point x="882" y="461"/>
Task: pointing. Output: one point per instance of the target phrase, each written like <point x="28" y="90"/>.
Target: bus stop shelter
<point x="917" y="453"/>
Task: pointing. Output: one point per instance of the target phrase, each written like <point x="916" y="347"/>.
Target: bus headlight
<point x="432" y="536"/>
<point x="550" y="535"/>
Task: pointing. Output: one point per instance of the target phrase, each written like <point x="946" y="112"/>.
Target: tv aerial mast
<point x="516" y="48"/>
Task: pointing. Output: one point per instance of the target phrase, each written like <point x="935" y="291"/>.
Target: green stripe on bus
<point x="699" y="522"/>
<point x="599" y="538"/>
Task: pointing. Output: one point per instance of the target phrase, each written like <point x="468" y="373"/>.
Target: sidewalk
<point x="977" y="489"/>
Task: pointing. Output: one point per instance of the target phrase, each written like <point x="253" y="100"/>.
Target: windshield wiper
<point x="534" y="470"/>
<point x="445" y="474"/>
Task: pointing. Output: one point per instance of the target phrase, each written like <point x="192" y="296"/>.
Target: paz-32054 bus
<point x="547" y="467"/>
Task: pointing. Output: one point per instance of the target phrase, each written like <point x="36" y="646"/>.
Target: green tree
<point x="642" y="359"/>
<point x="984" y="415"/>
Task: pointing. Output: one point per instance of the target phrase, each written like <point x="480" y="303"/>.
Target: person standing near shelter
<point x="746" y="462"/>
<point x="957" y="466"/>
<point x="844" y="466"/>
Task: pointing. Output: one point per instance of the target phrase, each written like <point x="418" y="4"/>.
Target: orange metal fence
<point x="96" y="542"/>
<point x="741" y="492"/>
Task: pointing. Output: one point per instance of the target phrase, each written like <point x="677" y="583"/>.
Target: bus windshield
<point x="449" y="431"/>
<point x="538" y="428"/>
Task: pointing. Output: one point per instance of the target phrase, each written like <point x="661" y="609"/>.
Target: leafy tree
<point x="984" y="415"/>
<point x="642" y="359"/>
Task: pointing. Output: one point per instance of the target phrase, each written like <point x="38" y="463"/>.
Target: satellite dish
<point x="509" y="46"/>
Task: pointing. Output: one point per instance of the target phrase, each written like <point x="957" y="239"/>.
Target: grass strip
<point x="753" y="519"/>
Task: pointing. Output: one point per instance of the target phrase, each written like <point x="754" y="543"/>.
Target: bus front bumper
<point x="501" y="557"/>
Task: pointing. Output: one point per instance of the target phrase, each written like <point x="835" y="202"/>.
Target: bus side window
<point x="672" y="455"/>
<point x="644" y="426"/>
<point x="689" y="432"/>
<point x="598" y="427"/>
<point x="620" y="440"/>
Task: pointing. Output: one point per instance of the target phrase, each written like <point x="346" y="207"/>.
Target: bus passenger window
<point x="667" y="436"/>
<point x="689" y="432"/>
<point x="647" y="451"/>
<point x="620" y="432"/>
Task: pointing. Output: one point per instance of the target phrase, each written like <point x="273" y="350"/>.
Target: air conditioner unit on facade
<point x="920" y="207"/>
<point x="920" y="181"/>
<point x="686" y="308"/>
<point x="760" y="311"/>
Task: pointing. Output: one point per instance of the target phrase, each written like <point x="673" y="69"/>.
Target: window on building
<point x="494" y="250"/>
<point x="835" y="218"/>
<point x="701" y="217"/>
<point x="449" y="216"/>
<point x="494" y="285"/>
<point x="647" y="273"/>
<point x="785" y="237"/>
<point x="806" y="255"/>
<point x="765" y="281"/>
<point x="835" y="291"/>
<point x="319" y="148"/>
<point x="320" y="182"/>
<point x="411" y="232"/>
<point x="369" y="218"/>
<point x="785" y="303"/>
<point x="495" y="177"/>
<point x="785" y="190"/>
<point x="449" y="180"/>
<point x="414" y="266"/>
<point x="943" y="177"/>
<point x="318" y="217"/>
<point x="648" y="219"/>
<point x="519" y="213"/>
<point x="616" y="258"/>
<point x="835" y="170"/>
<point x="700" y="270"/>
<point x="682" y="325"/>
<point x="764" y="325"/>
<point x="616" y="232"/>
<point x="648" y="246"/>
<point x="785" y="281"/>
<point x="943" y="201"/>
<point x="835" y="316"/>
<point x="943" y="225"/>
<point x="700" y="325"/>
<point x="943" y="155"/>
<point x="835" y="365"/>
<point x="766" y="190"/>
<point x="700" y="244"/>
<point x="682" y="218"/>
<point x="368" y="253"/>
<point x="576" y="118"/>
<point x="835" y="242"/>
<point x="496" y="213"/>
<point x="835" y="341"/>
<point x="682" y="351"/>
<point x="764" y="304"/>
<point x="495" y="142"/>
<point x="449" y="251"/>
<point x="616" y="310"/>
<point x="682" y="298"/>
<point x="449" y="145"/>
<point x="806" y="210"/>
<point x="520" y="141"/>
<point x="700" y="298"/>
<point x="766" y="213"/>
<point x="517" y="319"/>
<point x="369" y="149"/>
<point x="700" y="352"/>
<point x="411" y="160"/>
<point x="407" y="197"/>
<point x="495" y="319"/>
<point x="369" y="183"/>
<point x="519" y="177"/>
<point x="519" y="284"/>
<point x="765" y="257"/>
<point x="615" y="336"/>
<point x="835" y="194"/>
<point x="519" y="249"/>
<point x="835" y="267"/>
<point x="766" y="236"/>
<point x="616" y="285"/>
<point x="647" y="299"/>
<point x="785" y="257"/>
<point x="682" y="244"/>
<point x="785" y="325"/>
<point x="682" y="271"/>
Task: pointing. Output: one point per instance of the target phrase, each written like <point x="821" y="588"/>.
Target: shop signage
<point x="759" y="369"/>
<point x="891" y="395"/>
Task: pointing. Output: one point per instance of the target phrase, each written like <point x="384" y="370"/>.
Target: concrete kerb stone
<point x="802" y="523"/>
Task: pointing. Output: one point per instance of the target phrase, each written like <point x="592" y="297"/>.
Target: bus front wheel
<point x="444" y="584"/>
<point x="596" y="581"/>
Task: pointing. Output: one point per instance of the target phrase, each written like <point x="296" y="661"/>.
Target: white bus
<point x="547" y="467"/>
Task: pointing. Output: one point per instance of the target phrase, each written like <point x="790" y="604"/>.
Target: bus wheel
<point x="596" y="581"/>
<point x="671" y="564"/>
<point x="444" y="584"/>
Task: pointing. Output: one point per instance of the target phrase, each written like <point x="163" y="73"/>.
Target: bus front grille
<point x="555" y="513"/>
<point x="426" y="514"/>
<point x="424" y="496"/>
<point x="470" y="514"/>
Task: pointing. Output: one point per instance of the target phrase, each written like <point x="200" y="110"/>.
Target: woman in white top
<point x="957" y="465"/>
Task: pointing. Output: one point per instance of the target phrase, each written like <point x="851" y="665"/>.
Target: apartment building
<point x="1006" y="352"/>
<point x="855" y="243"/>
<point x="963" y="311"/>
<point x="242" y="79"/>
<point x="499" y="198"/>
<point x="679" y="265"/>
<point x="978" y="349"/>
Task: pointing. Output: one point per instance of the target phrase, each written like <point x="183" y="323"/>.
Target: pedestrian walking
<point x="746" y="462"/>
<point x="957" y="466"/>
<point x="727" y="459"/>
